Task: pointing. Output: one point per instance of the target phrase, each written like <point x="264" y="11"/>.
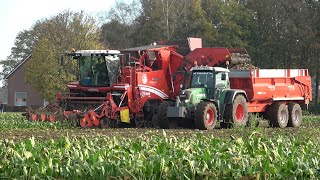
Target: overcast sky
<point x="18" y="15"/>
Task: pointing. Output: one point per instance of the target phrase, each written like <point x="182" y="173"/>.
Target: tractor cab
<point x="205" y="83"/>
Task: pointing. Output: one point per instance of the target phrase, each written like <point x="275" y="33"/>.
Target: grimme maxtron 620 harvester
<point x="97" y="71"/>
<point x="149" y="75"/>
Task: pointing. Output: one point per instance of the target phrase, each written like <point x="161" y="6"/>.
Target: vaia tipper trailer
<point x="217" y="94"/>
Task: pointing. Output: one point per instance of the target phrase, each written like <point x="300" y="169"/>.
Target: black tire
<point x="104" y="123"/>
<point x="278" y="115"/>
<point x="295" y="115"/>
<point x="206" y="116"/>
<point x="107" y="123"/>
<point x="264" y="115"/>
<point x="163" y="121"/>
<point x="225" y="125"/>
<point x="154" y="121"/>
<point x="236" y="114"/>
<point x="139" y="122"/>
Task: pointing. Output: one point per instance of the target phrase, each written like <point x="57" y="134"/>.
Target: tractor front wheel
<point x="206" y="116"/>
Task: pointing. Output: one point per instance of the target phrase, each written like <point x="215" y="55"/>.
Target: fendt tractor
<point x="148" y="75"/>
<point x="97" y="70"/>
<point x="216" y="94"/>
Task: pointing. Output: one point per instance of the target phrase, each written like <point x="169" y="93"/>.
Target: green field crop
<point x="73" y="153"/>
<point x="17" y="121"/>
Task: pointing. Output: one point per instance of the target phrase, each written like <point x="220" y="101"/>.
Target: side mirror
<point x="224" y="76"/>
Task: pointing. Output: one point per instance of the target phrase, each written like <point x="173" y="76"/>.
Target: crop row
<point x="18" y="121"/>
<point x="161" y="157"/>
<point x="10" y="121"/>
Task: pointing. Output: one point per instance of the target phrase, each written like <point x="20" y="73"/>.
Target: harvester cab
<point x="97" y="68"/>
<point x="96" y="72"/>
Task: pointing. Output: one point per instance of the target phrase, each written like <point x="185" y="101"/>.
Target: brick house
<point x="19" y="92"/>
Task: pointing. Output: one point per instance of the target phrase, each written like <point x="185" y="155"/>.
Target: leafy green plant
<point x="152" y="156"/>
<point x="60" y="151"/>
<point x="18" y="121"/>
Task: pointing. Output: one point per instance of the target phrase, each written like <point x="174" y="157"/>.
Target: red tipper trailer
<point x="274" y="92"/>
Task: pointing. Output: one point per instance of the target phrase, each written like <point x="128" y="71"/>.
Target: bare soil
<point x="306" y="130"/>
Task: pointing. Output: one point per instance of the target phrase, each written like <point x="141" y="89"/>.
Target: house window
<point x="20" y="99"/>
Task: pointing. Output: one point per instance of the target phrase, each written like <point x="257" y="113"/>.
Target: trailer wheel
<point x="206" y="116"/>
<point x="236" y="114"/>
<point x="278" y="115"/>
<point x="163" y="121"/>
<point x="295" y="115"/>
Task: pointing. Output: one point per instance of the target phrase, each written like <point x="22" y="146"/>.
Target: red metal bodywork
<point x="145" y="80"/>
<point x="154" y="74"/>
<point x="266" y="86"/>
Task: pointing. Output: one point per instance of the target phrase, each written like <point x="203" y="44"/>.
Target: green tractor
<point x="208" y="100"/>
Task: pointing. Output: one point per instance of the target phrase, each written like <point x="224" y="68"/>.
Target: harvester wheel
<point x="278" y="115"/>
<point x="163" y="121"/>
<point x="139" y="121"/>
<point x="104" y="123"/>
<point x="295" y="115"/>
<point x="154" y="121"/>
<point x="107" y="123"/>
<point x="236" y="114"/>
<point x="206" y="116"/>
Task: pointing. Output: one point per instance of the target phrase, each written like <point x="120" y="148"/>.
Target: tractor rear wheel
<point x="278" y="115"/>
<point x="163" y="121"/>
<point x="236" y="114"/>
<point x="295" y="115"/>
<point x="206" y="116"/>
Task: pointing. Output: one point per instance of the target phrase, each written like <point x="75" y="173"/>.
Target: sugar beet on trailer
<point x="278" y="94"/>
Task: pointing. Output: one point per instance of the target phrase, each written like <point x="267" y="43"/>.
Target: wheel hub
<point x="239" y="113"/>
<point x="296" y="116"/>
<point x="283" y="116"/>
<point x="209" y="117"/>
